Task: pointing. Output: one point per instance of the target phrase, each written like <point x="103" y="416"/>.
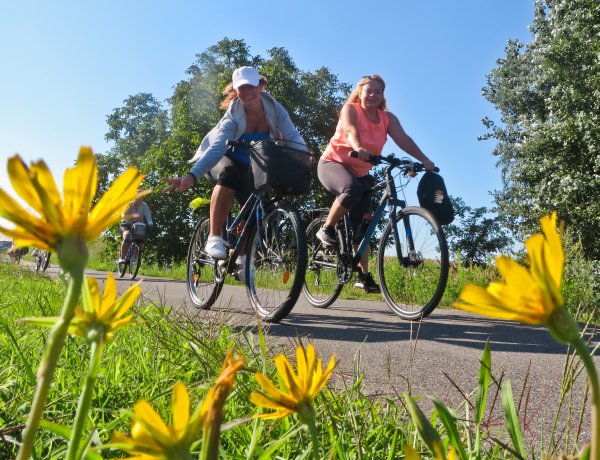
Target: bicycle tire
<point x="276" y="263"/>
<point x="135" y="260"/>
<point x="414" y="284"/>
<point x="322" y="284"/>
<point x="46" y="260"/>
<point x="203" y="288"/>
<point x="122" y="267"/>
<point x="38" y="262"/>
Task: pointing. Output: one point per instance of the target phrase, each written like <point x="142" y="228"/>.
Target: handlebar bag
<point x="433" y="196"/>
<point x="282" y="166"/>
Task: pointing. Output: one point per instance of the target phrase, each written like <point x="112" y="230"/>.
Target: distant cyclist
<point x="136" y="211"/>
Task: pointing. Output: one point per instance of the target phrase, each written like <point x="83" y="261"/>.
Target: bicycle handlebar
<point x="391" y="160"/>
<point x="234" y="143"/>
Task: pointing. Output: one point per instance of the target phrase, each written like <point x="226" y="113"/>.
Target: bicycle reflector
<point x="286" y="277"/>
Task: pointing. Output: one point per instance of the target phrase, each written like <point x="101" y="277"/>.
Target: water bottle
<point x="362" y="228"/>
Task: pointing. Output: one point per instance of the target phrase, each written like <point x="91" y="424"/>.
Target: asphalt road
<point x="436" y="357"/>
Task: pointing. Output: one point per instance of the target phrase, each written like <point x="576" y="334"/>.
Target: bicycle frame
<point x="252" y="213"/>
<point x="389" y="199"/>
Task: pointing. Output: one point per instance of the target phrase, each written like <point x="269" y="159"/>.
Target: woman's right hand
<point x="363" y="154"/>
<point x="181" y="184"/>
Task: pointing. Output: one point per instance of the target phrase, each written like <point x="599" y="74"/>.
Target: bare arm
<point x="405" y="142"/>
<point x="349" y="121"/>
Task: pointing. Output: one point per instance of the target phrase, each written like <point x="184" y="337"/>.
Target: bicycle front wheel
<point x="46" y="260"/>
<point x="276" y="263"/>
<point x="122" y="266"/>
<point x="202" y="284"/>
<point x="135" y="260"/>
<point x="38" y="262"/>
<point x="325" y="270"/>
<point x="413" y="263"/>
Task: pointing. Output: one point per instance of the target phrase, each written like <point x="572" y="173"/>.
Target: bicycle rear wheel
<point x="413" y="280"/>
<point x="276" y="263"/>
<point x="135" y="260"/>
<point x="325" y="270"/>
<point x="202" y="284"/>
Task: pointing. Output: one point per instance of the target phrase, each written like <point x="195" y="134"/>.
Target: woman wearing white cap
<point x="251" y="114"/>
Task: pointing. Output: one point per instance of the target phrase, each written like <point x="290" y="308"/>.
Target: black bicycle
<point x="133" y="258"/>
<point x="42" y="260"/>
<point x="272" y="235"/>
<point x="412" y="259"/>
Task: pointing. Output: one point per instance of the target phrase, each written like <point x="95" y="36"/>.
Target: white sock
<point x="241" y="260"/>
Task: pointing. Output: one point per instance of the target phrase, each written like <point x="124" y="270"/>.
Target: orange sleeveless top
<point x="373" y="136"/>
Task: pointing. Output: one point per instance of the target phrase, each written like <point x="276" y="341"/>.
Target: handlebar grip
<point x="373" y="159"/>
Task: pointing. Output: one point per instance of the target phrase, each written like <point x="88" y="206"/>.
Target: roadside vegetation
<point x="145" y="360"/>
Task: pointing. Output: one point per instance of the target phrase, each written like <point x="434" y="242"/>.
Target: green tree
<point x="548" y="137"/>
<point x="475" y="235"/>
<point x="160" y="140"/>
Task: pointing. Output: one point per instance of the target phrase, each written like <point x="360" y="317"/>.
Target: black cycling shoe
<point x="327" y="235"/>
<point x="365" y="281"/>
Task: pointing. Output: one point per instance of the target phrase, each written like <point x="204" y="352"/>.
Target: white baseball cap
<point x="245" y="76"/>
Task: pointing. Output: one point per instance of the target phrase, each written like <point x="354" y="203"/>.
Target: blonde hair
<point x="230" y="94"/>
<point x="355" y="94"/>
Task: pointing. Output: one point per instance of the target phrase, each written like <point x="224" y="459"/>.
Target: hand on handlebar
<point x="181" y="184"/>
<point x="429" y="165"/>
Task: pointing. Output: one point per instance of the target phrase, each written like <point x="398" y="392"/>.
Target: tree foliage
<point x="159" y="139"/>
<point x="475" y="235"/>
<point x="548" y="138"/>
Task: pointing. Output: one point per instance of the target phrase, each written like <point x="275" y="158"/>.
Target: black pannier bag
<point x="281" y="166"/>
<point x="433" y="196"/>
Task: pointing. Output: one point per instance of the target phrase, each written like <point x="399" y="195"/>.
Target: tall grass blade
<point x="511" y="418"/>
<point x="483" y="382"/>
<point x="28" y="369"/>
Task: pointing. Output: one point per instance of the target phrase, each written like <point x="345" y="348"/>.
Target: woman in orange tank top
<point x="363" y="126"/>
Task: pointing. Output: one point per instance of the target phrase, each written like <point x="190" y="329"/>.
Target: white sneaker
<point x="215" y="247"/>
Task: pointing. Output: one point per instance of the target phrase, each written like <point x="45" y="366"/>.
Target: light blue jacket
<point x="233" y="124"/>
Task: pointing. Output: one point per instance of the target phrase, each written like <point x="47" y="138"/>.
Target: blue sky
<point x="66" y="65"/>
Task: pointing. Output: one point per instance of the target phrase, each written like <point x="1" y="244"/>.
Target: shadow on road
<point x="453" y="329"/>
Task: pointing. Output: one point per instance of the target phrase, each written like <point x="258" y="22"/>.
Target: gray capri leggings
<point x="352" y="192"/>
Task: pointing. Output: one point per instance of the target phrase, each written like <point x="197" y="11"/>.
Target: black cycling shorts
<point x="234" y="175"/>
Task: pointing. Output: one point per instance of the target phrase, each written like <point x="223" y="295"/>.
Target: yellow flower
<point x="152" y="439"/>
<point x="100" y="316"/>
<point x="299" y="389"/>
<point x="213" y="403"/>
<point x="55" y="219"/>
<point x="530" y="296"/>
<point x="103" y="314"/>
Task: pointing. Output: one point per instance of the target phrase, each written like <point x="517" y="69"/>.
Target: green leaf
<point x="427" y="432"/>
<point x="451" y="429"/>
<point x="511" y="417"/>
<point x="483" y="382"/>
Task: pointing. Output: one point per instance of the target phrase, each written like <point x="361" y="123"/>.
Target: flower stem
<point x="592" y="372"/>
<point x="45" y="373"/>
<point x="85" y="398"/>
<point x="312" y="429"/>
